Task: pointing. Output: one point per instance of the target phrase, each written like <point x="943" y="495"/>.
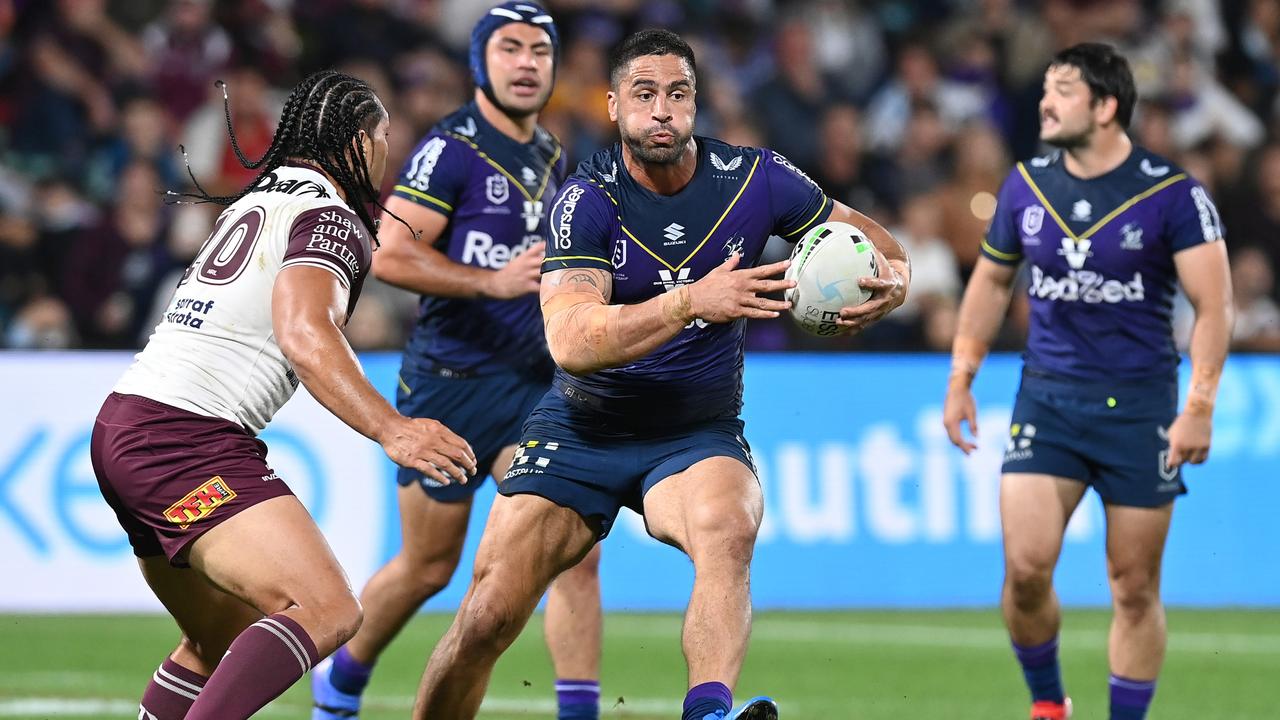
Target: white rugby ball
<point x="826" y="265"/>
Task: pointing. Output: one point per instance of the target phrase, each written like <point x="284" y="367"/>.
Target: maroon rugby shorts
<point x="171" y="475"/>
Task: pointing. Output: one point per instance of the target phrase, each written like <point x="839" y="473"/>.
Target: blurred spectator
<point x="1257" y="315"/>
<point x="187" y="51"/>
<point x="919" y="164"/>
<point x="968" y="199"/>
<point x="255" y="109"/>
<point x="146" y="135"/>
<point x="115" y="266"/>
<point x="42" y="324"/>
<point x="1256" y="218"/>
<point x="849" y="46"/>
<point x="1202" y="108"/>
<point x="930" y="309"/>
<point x="789" y="105"/>
<point x="916" y="82"/>
<point x="840" y="170"/>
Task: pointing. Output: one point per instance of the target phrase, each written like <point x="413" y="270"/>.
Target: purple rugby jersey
<point x="603" y="219"/>
<point x="496" y="192"/>
<point x="1100" y="259"/>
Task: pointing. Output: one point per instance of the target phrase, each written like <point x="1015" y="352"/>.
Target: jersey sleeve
<point x="435" y="174"/>
<point x="582" y="220"/>
<point x="1191" y="217"/>
<point x="797" y="201"/>
<point x="1002" y="243"/>
<point x="331" y="238"/>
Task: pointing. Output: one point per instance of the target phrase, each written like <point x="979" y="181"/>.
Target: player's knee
<point x="1029" y="583"/>
<point x="586" y="571"/>
<point x="346" y="616"/>
<point x="428" y="576"/>
<point x="487" y="620"/>
<point x="1134" y="591"/>
<point x="725" y="534"/>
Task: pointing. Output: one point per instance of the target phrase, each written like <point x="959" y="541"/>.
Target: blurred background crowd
<point x="911" y="111"/>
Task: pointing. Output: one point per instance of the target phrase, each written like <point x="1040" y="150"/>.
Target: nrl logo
<point x="723" y="166"/>
<point x="620" y="253"/>
<point x="1033" y="220"/>
<point x="497" y="189"/>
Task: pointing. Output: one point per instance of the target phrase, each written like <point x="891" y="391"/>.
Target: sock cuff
<point x="711" y="690"/>
<point x="1131" y="693"/>
<point x="1036" y="655"/>
<point x="172" y="671"/>
<point x="345" y="663"/>
<point x="291" y="634"/>
<point x="567" y="685"/>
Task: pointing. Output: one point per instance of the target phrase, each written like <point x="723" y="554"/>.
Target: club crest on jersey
<point x="497" y="189"/>
<point x="733" y="246"/>
<point x="1132" y="233"/>
<point x="1076" y="251"/>
<point x="200" y="503"/>
<point x="1033" y="219"/>
<point x="532" y="214"/>
<point x="1081" y="211"/>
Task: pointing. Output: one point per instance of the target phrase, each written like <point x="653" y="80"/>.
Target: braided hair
<point x="319" y="125"/>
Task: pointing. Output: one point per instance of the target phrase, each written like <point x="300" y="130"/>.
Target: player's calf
<point x="172" y="690"/>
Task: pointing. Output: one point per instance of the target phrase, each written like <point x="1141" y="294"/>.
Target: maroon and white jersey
<point x="214" y="352"/>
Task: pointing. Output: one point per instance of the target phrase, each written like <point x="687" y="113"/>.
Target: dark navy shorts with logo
<point x="595" y="471"/>
<point x="1112" y="436"/>
<point x="486" y="410"/>
<point x="171" y="475"/>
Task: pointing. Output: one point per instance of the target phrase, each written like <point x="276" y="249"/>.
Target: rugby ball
<point x="826" y="265"/>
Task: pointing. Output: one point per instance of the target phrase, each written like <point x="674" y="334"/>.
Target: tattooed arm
<point x="586" y="333"/>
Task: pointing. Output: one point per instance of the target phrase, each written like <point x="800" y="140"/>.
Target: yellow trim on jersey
<point x="578" y="257"/>
<point x="805" y="226"/>
<point x="1133" y="201"/>
<point x="998" y="254"/>
<point x="723" y="215"/>
<point x="424" y="196"/>
<point x="1109" y="217"/>
<point x="546" y="175"/>
<point x="403" y="385"/>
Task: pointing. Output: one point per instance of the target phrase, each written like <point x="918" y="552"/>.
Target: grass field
<point x="1223" y="665"/>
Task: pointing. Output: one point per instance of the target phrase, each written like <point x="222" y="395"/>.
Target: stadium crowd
<point x="911" y="111"/>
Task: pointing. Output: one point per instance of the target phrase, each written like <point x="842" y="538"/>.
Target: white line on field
<point x="80" y="707"/>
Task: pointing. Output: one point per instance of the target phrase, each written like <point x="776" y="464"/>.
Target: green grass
<point x="1222" y="665"/>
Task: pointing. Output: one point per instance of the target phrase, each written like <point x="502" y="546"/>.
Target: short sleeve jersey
<point x="1100" y="254"/>
<point x="495" y="191"/>
<point x="603" y="219"/>
<point x="214" y="352"/>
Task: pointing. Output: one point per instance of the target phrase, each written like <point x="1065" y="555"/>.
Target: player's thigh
<point x="529" y="540"/>
<point x="712" y="497"/>
<point x="272" y="556"/>
<point x="1034" y="511"/>
<point x="1135" y="541"/>
<point x="208" y="617"/>
<point x="432" y="531"/>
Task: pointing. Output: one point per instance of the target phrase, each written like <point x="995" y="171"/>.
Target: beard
<point x="656" y="155"/>
<point x="1066" y="140"/>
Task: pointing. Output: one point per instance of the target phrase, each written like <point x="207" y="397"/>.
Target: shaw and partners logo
<point x="1085" y="286"/>
<point x="200" y="503"/>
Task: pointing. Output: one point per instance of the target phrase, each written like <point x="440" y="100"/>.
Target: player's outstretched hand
<point x="521" y="275"/>
<point x="888" y="291"/>
<point x="1189" y="439"/>
<point x="432" y="449"/>
<point x="957" y="408"/>
<point x="728" y="293"/>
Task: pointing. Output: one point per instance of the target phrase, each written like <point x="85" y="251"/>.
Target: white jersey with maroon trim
<point x="214" y="352"/>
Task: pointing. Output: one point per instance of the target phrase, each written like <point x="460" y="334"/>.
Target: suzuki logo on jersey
<point x="532" y="215"/>
<point x="1085" y="286"/>
<point x="673" y="233"/>
<point x="528" y="175"/>
<point x="1033" y="219"/>
<point x="1132" y="233"/>
<point x="1081" y="211"/>
<point x="1076" y="251"/>
<point x="564" y="226"/>
<point x="480" y="250"/>
<point x="497" y="189"/>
